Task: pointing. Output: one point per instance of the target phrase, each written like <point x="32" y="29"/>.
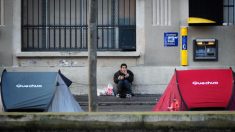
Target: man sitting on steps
<point x="123" y="78"/>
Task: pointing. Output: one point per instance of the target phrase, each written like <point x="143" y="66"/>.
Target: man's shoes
<point x="123" y="96"/>
<point x="128" y="95"/>
<point x="117" y="95"/>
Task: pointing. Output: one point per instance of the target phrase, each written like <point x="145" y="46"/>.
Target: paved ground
<point x="136" y="103"/>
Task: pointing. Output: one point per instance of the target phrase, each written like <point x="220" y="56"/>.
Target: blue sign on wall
<point x="170" y="39"/>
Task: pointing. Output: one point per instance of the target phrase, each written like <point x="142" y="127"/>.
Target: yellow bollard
<point x="184" y="46"/>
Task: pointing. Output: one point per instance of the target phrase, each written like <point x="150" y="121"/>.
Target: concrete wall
<point x="6" y="31"/>
<point x="158" y="55"/>
<point x="152" y="63"/>
<point x="226" y="46"/>
<point x="119" y="122"/>
<point x="148" y="79"/>
<point x="150" y="45"/>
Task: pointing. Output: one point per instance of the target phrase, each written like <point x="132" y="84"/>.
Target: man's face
<point x="123" y="69"/>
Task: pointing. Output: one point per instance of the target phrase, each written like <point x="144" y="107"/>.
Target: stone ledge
<point x="210" y="120"/>
<point x="77" y="54"/>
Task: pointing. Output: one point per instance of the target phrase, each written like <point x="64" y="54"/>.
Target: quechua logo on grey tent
<point x="29" y="86"/>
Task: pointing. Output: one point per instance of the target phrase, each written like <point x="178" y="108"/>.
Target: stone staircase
<point x="137" y="103"/>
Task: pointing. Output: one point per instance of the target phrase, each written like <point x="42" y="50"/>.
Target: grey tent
<point x="37" y="92"/>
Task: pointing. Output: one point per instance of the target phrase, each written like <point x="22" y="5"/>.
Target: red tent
<point x="205" y="89"/>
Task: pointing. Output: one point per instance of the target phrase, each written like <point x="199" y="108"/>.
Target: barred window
<point x="1" y="12"/>
<point x="229" y="12"/>
<point x="61" y="25"/>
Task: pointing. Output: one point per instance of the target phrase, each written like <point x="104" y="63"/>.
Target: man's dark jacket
<point x="119" y="73"/>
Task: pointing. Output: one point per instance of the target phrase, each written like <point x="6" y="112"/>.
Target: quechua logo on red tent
<point x="205" y="83"/>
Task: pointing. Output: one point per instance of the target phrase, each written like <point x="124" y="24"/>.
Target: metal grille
<point x="54" y="25"/>
<point x="229" y="13"/>
<point x="1" y="12"/>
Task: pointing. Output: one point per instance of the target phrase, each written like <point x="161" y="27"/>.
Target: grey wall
<point x="226" y="45"/>
<point x="155" y="53"/>
<point x="153" y="68"/>
<point x="6" y="49"/>
<point x="158" y="55"/>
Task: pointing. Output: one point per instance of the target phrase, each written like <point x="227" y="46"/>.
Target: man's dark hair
<point x="123" y="64"/>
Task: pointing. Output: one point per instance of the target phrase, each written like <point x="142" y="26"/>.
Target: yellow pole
<point x="184" y="46"/>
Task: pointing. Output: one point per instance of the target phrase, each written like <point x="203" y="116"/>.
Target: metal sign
<point x="184" y="43"/>
<point x="170" y="39"/>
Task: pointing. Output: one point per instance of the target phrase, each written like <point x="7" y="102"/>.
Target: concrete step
<point x="136" y="99"/>
<point x="137" y="103"/>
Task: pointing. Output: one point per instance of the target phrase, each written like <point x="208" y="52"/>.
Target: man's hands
<point x="120" y="77"/>
<point x="126" y="75"/>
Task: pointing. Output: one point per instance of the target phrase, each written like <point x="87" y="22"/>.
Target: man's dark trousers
<point x="123" y="87"/>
